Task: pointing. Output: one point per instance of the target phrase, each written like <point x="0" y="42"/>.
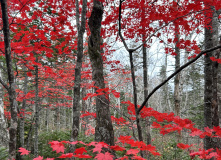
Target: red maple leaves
<point x="23" y="151"/>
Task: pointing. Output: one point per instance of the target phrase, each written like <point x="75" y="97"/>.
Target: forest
<point x="110" y="79"/>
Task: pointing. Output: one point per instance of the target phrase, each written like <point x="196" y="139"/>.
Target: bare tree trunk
<point x="11" y="80"/>
<point x="177" y="77"/>
<point x="210" y="78"/>
<point x="139" y="130"/>
<point x="36" y="111"/>
<point x="145" y="81"/>
<point x="104" y="129"/>
<point x="4" y="135"/>
<point x="84" y="108"/>
<point x="215" y="26"/>
<point x="22" y="110"/>
<point x="77" y="81"/>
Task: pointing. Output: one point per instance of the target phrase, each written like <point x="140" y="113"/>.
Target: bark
<point x="11" y="80"/>
<point x="215" y="26"/>
<point x="36" y="111"/>
<point x="104" y="129"/>
<point x="84" y="108"/>
<point x="22" y="110"/>
<point x="4" y="135"/>
<point x="145" y="82"/>
<point x="77" y="81"/>
<point x="210" y="89"/>
<point x="177" y="78"/>
<point x="139" y="130"/>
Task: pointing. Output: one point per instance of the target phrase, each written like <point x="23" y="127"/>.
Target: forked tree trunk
<point x="11" y="81"/>
<point x="104" y="129"/>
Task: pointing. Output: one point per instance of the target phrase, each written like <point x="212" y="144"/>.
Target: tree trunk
<point x="104" y="129"/>
<point x="139" y="130"/>
<point x="84" y="108"/>
<point x="36" y="111"/>
<point x="177" y="77"/>
<point x="210" y="90"/>
<point x="145" y="81"/>
<point x="4" y="135"/>
<point x="11" y="80"/>
<point x="22" y="110"/>
<point x="77" y="81"/>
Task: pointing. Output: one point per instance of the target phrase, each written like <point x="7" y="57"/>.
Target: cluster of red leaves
<point x="103" y="91"/>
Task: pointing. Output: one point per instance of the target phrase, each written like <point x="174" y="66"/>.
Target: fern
<point x="3" y="153"/>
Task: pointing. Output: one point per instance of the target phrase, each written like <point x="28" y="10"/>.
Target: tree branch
<point x="172" y="75"/>
<point x="4" y="84"/>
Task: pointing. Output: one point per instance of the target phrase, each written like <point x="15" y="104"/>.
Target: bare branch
<point x="4" y="84"/>
<point x="176" y="72"/>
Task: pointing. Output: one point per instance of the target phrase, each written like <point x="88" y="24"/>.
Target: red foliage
<point x="23" y="151"/>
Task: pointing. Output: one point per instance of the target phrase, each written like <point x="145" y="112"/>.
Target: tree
<point x="104" y="129"/>
<point x="210" y="75"/>
<point x="77" y="81"/>
<point x="11" y="80"/>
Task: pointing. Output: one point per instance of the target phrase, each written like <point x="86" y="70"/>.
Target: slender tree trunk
<point x="104" y="129"/>
<point x="139" y="130"/>
<point x="4" y="135"/>
<point x="22" y="110"/>
<point x="36" y="111"/>
<point x="11" y="80"/>
<point x="177" y="77"/>
<point x="84" y="108"/>
<point x="77" y="81"/>
<point x="145" y="81"/>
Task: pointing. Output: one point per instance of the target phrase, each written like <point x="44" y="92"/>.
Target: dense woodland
<point x="110" y="79"/>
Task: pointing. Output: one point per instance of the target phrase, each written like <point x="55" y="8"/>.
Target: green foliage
<point x="45" y="137"/>
<point x="3" y="153"/>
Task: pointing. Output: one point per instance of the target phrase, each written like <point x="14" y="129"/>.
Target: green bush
<point x="3" y="153"/>
<point x="45" y="149"/>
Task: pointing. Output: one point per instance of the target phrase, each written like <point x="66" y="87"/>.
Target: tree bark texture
<point x="36" y="110"/>
<point x="77" y="81"/>
<point x="11" y="81"/>
<point x="4" y="135"/>
<point x="210" y="89"/>
<point x="104" y="129"/>
<point x="139" y="130"/>
<point x="177" y="77"/>
<point x="22" y="110"/>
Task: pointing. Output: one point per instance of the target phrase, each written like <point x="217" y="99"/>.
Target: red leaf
<point x="116" y="94"/>
<point x="68" y="155"/>
<point x="82" y="156"/>
<point x="117" y="148"/>
<point x="132" y="151"/>
<point x="80" y="150"/>
<point x="105" y="156"/>
<point x="183" y="146"/>
<point x="49" y="55"/>
<point x="156" y="125"/>
<point x="29" y="74"/>
<point x="98" y="147"/>
<point x="38" y="158"/>
<point x="23" y="151"/>
<point x="57" y="146"/>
